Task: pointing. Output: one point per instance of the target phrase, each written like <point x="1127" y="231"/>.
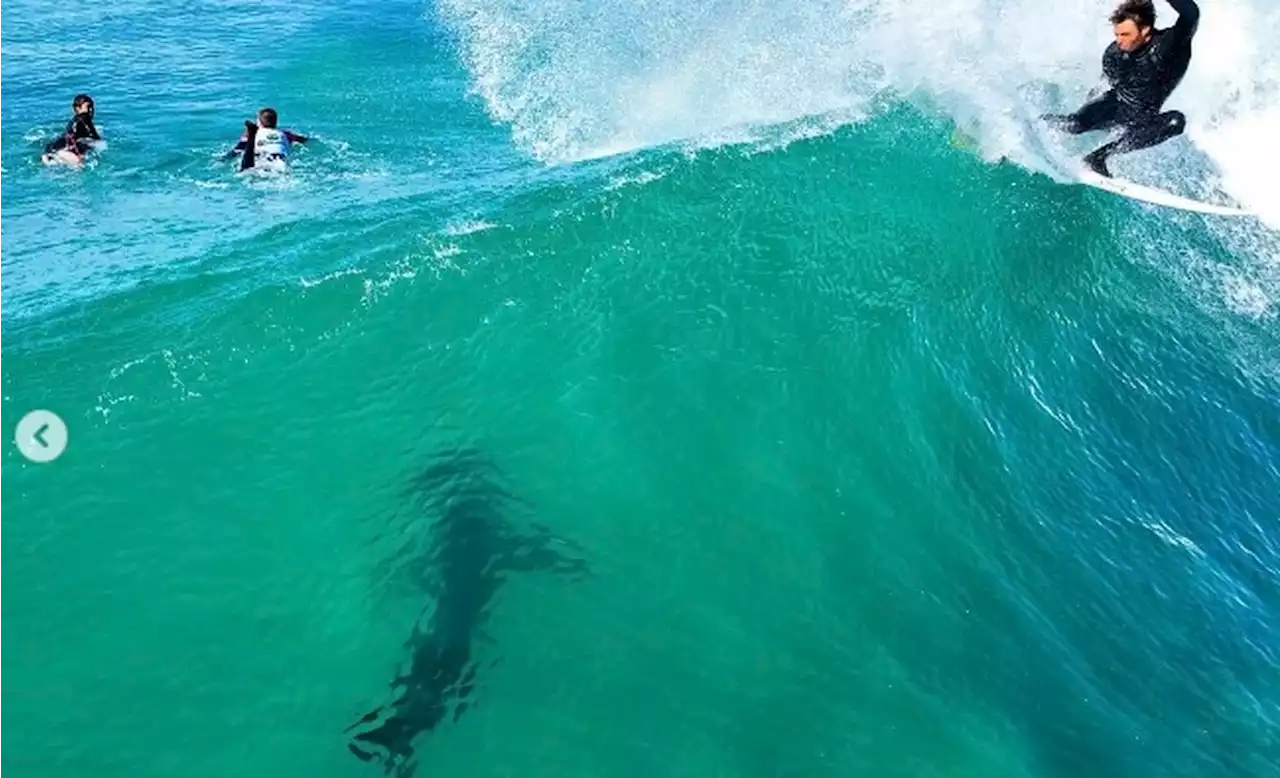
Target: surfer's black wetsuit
<point x="1140" y="81"/>
<point x="79" y="132"/>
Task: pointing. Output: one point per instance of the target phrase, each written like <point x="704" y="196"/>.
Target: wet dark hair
<point x="1140" y="12"/>
<point x="80" y="100"/>
<point x="267" y="118"/>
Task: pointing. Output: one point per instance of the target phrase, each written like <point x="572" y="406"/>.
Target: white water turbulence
<point x="582" y="78"/>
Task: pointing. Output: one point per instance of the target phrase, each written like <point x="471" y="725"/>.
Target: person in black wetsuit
<point x="80" y="130"/>
<point x="1143" y="67"/>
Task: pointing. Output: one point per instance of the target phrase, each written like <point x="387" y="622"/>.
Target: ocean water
<point x="889" y="453"/>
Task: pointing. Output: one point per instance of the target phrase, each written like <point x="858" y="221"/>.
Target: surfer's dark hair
<point x="1140" y="12"/>
<point x="268" y="117"/>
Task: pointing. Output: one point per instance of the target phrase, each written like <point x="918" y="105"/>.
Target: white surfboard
<point x="62" y="157"/>
<point x="1156" y="196"/>
<point x="70" y="159"/>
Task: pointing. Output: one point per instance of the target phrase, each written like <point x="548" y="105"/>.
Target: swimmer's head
<point x="1132" y="22"/>
<point x="267" y="118"/>
<point x="82" y="104"/>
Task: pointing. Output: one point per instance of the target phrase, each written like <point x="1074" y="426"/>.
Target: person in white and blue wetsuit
<point x="264" y="144"/>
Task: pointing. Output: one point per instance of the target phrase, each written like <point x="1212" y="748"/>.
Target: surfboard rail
<point x="1156" y="196"/>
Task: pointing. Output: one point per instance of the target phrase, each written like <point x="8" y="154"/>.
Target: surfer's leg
<point x="1140" y="132"/>
<point x="1096" y="114"/>
<point x="1151" y="131"/>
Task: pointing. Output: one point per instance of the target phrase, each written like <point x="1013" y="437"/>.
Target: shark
<point x="463" y="545"/>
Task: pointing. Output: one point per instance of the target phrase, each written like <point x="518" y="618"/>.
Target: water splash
<point x="577" y="80"/>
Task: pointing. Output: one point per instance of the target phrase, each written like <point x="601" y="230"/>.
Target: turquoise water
<point x="886" y="457"/>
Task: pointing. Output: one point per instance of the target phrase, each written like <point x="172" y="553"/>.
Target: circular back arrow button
<point x="41" y="436"/>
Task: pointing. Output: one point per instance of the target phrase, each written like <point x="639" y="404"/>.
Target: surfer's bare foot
<point x="1097" y="162"/>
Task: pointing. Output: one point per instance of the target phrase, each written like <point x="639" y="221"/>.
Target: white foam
<point x="576" y="80"/>
<point x="1233" y="142"/>
<point x="467" y="227"/>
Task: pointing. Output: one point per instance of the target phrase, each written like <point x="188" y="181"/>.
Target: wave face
<point x="576" y="80"/>
<point x="886" y="457"/>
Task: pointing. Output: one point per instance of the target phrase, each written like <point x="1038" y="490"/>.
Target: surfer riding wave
<point x="1143" y="67"/>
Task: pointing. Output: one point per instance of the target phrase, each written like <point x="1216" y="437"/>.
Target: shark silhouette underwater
<point x="462" y="558"/>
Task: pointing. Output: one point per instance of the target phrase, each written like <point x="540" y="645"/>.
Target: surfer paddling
<point x="1143" y="67"/>
<point x="264" y="144"/>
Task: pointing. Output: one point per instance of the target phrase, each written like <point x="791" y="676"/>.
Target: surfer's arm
<point x="1188" y="20"/>
<point x="295" y="137"/>
<point x="238" y="148"/>
<point x="68" y="139"/>
<point x="82" y="127"/>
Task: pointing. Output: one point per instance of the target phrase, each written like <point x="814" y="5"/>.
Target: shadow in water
<point x="459" y="545"/>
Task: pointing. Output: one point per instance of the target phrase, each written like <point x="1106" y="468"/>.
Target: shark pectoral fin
<point x="366" y="718"/>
